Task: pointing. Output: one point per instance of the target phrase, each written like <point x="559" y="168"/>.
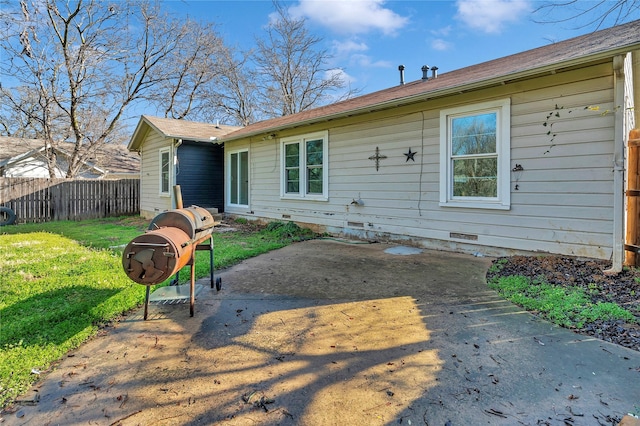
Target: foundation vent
<point x="459" y="236"/>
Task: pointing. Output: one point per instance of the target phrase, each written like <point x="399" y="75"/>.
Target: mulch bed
<point x="622" y="288"/>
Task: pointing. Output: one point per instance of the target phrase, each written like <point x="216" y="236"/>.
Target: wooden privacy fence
<point x="42" y="200"/>
<point x="632" y="243"/>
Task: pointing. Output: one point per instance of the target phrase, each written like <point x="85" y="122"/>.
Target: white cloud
<point x="329" y="74"/>
<point x="491" y="15"/>
<point x="352" y="50"/>
<point x="365" y="61"/>
<point x="440" y="44"/>
<point x="348" y="46"/>
<point x="444" y="31"/>
<point x="350" y="16"/>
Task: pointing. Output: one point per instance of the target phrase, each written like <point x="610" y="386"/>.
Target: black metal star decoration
<point x="410" y="155"/>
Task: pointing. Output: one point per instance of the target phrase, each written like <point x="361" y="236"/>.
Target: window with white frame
<point x="238" y="178"/>
<point x="165" y="171"/>
<point x="474" y="155"/>
<point x="304" y="166"/>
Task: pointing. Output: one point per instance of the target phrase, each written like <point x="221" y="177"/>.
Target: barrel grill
<point x="168" y="245"/>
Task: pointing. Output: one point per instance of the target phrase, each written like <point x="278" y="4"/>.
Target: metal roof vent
<point x="401" y="69"/>
<point x="434" y="72"/>
<point x="425" y="71"/>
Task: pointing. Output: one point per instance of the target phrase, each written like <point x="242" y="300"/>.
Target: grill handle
<point x="133" y="243"/>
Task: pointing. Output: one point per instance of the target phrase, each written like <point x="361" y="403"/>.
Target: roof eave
<point x="192" y="139"/>
<point x="499" y="80"/>
<point x="20" y="157"/>
<point x="136" y="138"/>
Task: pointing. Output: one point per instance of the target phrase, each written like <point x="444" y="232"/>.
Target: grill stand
<point x="213" y="281"/>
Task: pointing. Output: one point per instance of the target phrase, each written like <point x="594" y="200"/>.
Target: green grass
<point x="98" y="233"/>
<point x="61" y="281"/>
<point x="569" y="307"/>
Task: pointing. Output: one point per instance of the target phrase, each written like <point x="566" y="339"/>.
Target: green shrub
<point x="289" y="230"/>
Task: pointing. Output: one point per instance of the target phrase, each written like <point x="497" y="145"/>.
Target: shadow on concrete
<point x="326" y="333"/>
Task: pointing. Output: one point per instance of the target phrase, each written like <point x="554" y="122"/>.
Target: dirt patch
<point x="622" y="289"/>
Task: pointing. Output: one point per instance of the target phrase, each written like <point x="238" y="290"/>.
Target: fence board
<point x="43" y="200"/>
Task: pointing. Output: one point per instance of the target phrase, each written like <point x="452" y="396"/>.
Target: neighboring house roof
<point x="554" y="57"/>
<point x="116" y="159"/>
<point x="109" y="159"/>
<point x="13" y="147"/>
<point x="178" y="129"/>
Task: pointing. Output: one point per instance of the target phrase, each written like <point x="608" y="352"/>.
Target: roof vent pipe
<point x="425" y="70"/>
<point x="434" y="72"/>
<point x="401" y="69"/>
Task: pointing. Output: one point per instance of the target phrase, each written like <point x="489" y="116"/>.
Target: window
<point x="238" y="178"/>
<point x="474" y="156"/>
<point x="165" y="171"/>
<point x="304" y="171"/>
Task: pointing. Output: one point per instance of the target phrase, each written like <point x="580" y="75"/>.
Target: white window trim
<point x="228" y="177"/>
<point x="162" y="151"/>
<point x="503" y="148"/>
<point x="303" y="175"/>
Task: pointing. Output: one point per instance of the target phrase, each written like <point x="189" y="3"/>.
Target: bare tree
<point x="190" y="71"/>
<point x="292" y="68"/>
<point x="78" y="65"/>
<point x="583" y="14"/>
<point x="232" y="98"/>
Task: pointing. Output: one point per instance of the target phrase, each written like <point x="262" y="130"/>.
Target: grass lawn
<point x="60" y="281"/>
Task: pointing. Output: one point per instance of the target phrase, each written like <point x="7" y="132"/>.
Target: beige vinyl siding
<point x="151" y="202"/>
<point x="564" y="200"/>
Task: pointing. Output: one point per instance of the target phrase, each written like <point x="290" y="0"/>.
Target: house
<point x="520" y="154"/>
<point x="20" y="157"/>
<point x="178" y="152"/>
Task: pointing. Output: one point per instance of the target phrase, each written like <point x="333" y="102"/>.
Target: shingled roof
<point x="554" y="57"/>
<point x="178" y="129"/>
<point x="109" y="158"/>
<point x="116" y="159"/>
<point x="12" y="147"/>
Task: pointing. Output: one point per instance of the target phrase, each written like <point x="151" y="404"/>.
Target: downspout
<point x="176" y="194"/>
<point x="635" y="68"/>
<point x="618" y="166"/>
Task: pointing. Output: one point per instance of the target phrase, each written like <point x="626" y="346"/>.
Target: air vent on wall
<point x="460" y="236"/>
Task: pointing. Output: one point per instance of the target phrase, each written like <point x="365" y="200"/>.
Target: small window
<point x="315" y="166"/>
<point x="165" y="171"/>
<point x="292" y="167"/>
<point x="474" y="166"/>
<point x="304" y="172"/>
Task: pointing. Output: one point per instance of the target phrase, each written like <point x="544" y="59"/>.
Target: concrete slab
<point x="329" y="333"/>
<point x="403" y="250"/>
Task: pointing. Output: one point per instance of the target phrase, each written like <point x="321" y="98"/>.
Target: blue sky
<point x="368" y="39"/>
